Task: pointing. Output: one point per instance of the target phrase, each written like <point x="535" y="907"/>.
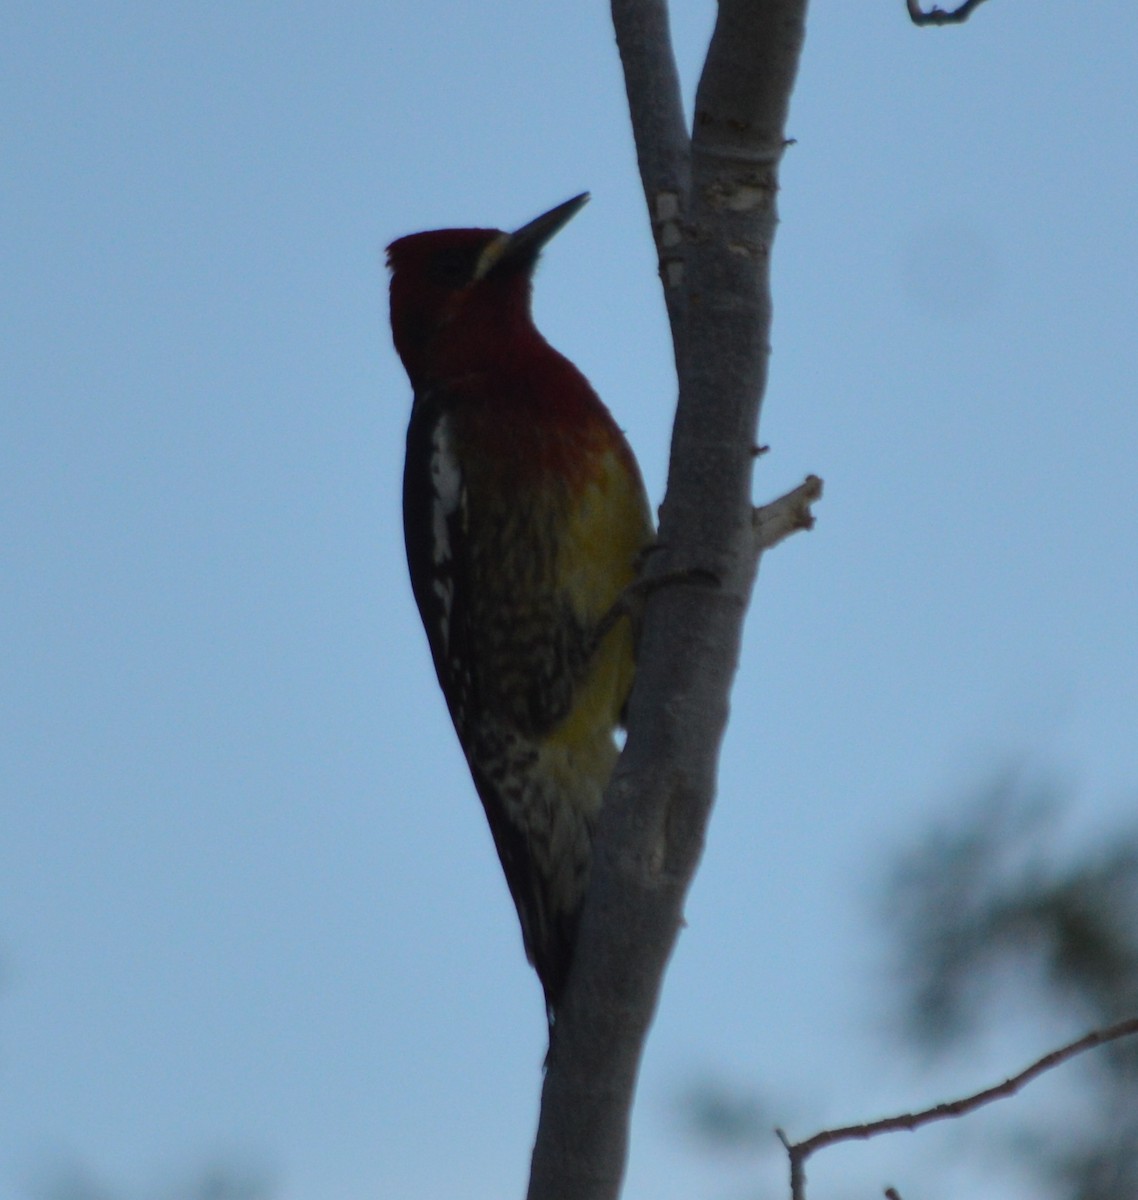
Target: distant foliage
<point x="723" y="1117"/>
<point x="991" y="903"/>
<point x="220" y="1182"/>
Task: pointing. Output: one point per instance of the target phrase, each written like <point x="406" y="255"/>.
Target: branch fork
<point x="799" y="1152"/>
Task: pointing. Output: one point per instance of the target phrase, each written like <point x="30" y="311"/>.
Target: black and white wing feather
<point x="436" y="531"/>
<point x="434" y="525"/>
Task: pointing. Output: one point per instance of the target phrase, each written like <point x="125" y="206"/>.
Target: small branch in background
<point x="799" y="1152"/>
<point x="797" y="1167"/>
<point x="939" y="16"/>
<point x="778" y="520"/>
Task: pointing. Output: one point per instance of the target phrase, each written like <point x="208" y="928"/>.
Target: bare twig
<point x="939" y="16"/>
<point x="799" y="1152"/>
<point x="778" y="520"/>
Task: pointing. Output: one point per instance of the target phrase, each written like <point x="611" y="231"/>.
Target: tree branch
<point x="778" y="520"/>
<point x="663" y="148"/>
<point x="939" y="16"/>
<point x="799" y="1152"/>
<point x="651" y="827"/>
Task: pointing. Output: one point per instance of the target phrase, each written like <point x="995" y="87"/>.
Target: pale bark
<point x="711" y="199"/>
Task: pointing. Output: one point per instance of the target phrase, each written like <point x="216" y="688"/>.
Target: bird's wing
<point x="434" y="516"/>
<point x="434" y="520"/>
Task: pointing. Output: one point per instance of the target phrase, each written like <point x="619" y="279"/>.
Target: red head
<point x="460" y="298"/>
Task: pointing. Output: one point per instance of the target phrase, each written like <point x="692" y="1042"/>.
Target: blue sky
<point x="248" y="906"/>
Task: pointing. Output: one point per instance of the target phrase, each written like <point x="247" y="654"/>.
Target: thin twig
<point x="778" y="520"/>
<point x="797" y="1167"/>
<point x="799" y="1152"/>
<point x="939" y="16"/>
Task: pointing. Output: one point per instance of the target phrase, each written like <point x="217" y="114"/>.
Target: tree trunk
<point x="711" y="200"/>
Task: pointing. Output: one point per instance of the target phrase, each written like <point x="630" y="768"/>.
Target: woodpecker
<point x="525" y="519"/>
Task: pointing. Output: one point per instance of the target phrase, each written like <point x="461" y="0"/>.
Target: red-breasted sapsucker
<point x="525" y="518"/>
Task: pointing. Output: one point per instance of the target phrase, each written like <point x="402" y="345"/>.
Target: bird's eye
<point x="454" y="266"/>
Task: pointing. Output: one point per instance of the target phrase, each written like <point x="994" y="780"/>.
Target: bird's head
<point x="462" y="294"/>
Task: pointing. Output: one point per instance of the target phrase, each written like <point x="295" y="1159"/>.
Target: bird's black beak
<point x="521" y="248"/>
<point x="530" y="238"/>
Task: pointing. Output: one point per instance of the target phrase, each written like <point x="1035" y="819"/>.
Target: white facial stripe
<point x="493" y="252"/>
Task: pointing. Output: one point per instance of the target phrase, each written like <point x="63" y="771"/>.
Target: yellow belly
<point x="604" y="539"/>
